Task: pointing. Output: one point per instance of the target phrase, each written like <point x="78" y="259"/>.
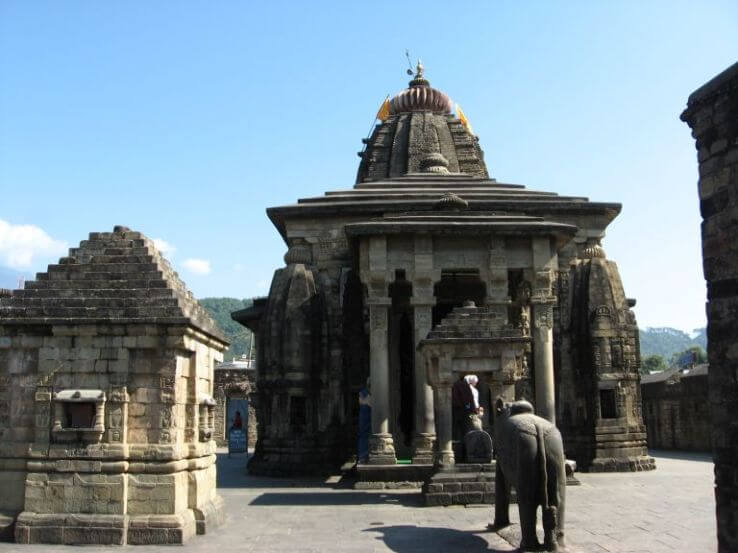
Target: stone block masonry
<point x="712" y="114"/>
<point x="106" y="401"/>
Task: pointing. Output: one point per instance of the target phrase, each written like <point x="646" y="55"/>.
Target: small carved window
<point x="608" y="408"/>
<point x="79" y="415"/>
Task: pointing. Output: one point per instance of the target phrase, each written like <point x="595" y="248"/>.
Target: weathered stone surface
<point x="712" y="114"/>
<point x="676" y="409"/>
<point x="106" y="411"/>
<point x="478" y="446"/>
<point x="467" y="484"/>
<point x="599" y="410"/>
<point x="372" y="271"/>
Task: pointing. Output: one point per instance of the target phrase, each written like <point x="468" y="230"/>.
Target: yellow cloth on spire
<point x="384" y="110"/>
<point x="463" y="119"/>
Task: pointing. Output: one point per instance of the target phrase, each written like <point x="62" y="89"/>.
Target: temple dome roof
<point x="420" y="134"/>
<point x="420" y="96"/>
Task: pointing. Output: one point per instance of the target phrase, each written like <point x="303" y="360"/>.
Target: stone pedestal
<point x="465" y="484"/>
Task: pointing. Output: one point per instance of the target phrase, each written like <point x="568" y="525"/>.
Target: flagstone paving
<point x="669" y="509"/>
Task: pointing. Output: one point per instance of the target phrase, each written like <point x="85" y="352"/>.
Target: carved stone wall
<point x="712" y="113"/>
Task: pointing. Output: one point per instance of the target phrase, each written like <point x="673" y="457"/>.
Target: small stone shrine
<point x="106" y="407"/>
<point x="373" y="272"/>
<point x="234" y="380"/>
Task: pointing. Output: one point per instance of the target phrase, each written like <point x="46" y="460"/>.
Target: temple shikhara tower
<point x="428" y="269"/>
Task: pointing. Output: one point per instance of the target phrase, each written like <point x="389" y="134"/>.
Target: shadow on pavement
<point x="338" y="498"/>
<point x="232" y="473"/>
<point x="411" y="539"/>
<point x="681" y="455"/>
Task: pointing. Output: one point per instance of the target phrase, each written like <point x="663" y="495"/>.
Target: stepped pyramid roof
<point x="472" y="323"/>
<point x="115" y="277"/>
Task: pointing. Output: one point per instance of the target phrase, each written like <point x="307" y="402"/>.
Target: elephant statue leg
<point x="550" y="522"/>
<point x="560" y="490"/>
<point x="502" y="499"/>
<point x="553" y="516"/>
<point x="527" y="510"/>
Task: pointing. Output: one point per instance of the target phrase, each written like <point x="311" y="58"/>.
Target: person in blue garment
<point x="365" y="421"/>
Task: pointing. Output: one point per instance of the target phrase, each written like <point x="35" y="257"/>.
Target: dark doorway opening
<point x="608" y="408"/>
<point x="455" y="287"/>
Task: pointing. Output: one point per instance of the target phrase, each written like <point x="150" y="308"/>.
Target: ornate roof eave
<point x="465" y="226"/>
<point x="547" y="206"/>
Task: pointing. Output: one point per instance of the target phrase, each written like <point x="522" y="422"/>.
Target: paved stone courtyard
<point x="670" y="509"/>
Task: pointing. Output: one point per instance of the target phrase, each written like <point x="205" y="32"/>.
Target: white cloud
<point x="19" y="244"/>
<point x="166" y="249"/>
<point x="197" y="266"/>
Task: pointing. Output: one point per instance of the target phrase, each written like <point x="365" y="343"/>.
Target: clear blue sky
<point x="185" y="120"/>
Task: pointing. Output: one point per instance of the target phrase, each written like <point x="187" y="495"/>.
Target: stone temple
<point x="429" y="269"/>
<point x="106" y="401"/>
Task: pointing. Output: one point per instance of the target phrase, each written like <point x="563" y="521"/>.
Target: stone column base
<point x="381" y="450"/>
<point x="7" y="526"/>
<point x="161" y="529"/>
<point x="210" y="515"/>
<point x="445" y="460"/>
<point x="71" y="529"/>
<point x="622" y="464"/>
<point x="423" y="449"/>
<point x="87" y="529"/>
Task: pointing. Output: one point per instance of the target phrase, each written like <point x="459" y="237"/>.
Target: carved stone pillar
<point x="445" y="453"/>
<point x="425" y="434"/>
<point x="543" y="360"/>
<point x="497" y="300"/>
<point x="381" y="447"/>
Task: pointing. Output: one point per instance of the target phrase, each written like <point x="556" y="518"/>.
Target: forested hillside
<point x="667" y="341"/>
<point x="220" y="310"/>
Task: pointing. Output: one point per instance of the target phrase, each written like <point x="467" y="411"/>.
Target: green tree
<point x="653" y="363"/>
<point x="693" y="355"/>
<point x="220" y="310"/>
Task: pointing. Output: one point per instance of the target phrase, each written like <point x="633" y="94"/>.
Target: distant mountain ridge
<point x="667" y="341"/>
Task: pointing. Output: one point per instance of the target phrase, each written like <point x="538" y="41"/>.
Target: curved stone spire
<point x="421" y="135"/>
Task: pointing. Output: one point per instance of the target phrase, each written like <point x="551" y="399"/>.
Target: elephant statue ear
<point x="499" y="405"/>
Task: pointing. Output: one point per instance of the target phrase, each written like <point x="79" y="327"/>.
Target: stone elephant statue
<point x="530" y="458"/>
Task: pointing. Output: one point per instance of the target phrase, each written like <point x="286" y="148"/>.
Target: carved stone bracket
<point x="543" y="315"/>
<point x="299" y="252"/>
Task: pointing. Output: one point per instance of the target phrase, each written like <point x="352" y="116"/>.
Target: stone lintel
<point x="379" y="301"/>
<point x="423" y="301"/>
